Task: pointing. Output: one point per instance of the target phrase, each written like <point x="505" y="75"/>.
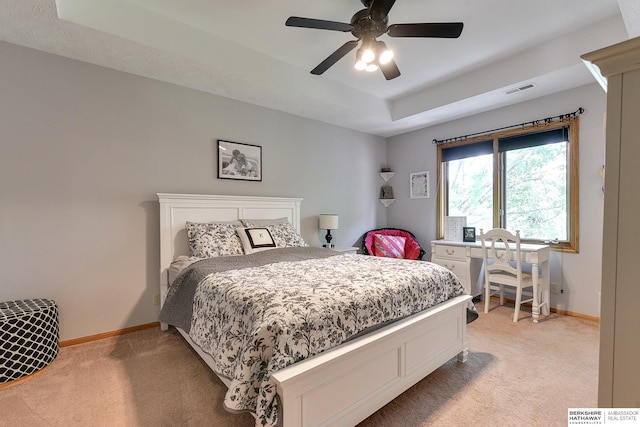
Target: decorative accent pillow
<point x="264" y="222"/>
<point x="255" y="239"/>
<point x="388" y="246"/>
<point x="412" y="249"/>
<point x="283" y="234"/>
<point x="286" y="236"/>
<point x="213" y="239"/>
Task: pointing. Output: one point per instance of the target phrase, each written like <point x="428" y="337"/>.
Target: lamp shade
<point x="328" y="221"/>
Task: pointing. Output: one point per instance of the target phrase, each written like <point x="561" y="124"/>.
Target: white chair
<point x="503" y="267"/>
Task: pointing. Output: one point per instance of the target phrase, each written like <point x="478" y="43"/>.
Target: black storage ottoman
<point x="29" y="339"/>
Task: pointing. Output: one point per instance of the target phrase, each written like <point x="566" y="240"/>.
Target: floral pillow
<point x="286" y="236"/>
<point x="213" y="239"/>
<point x="264" y="222"/>
<point x="388" y="246"/>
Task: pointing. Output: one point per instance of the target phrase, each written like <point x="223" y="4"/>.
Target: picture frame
<point x="468" y="234"/>
<point x="386" y="192"/>
<point x="419" y="185"/>
<point x="239" y="161"/>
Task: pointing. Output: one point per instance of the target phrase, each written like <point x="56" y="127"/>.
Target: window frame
<point x="572" y="244"/>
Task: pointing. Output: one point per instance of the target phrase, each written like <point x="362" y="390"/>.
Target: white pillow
<point x="255" y="239"/>
<point x="178" y="265"/>
<point x="213" y="239"/>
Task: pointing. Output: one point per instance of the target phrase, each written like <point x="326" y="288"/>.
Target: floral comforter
<point x="256" y="320"/>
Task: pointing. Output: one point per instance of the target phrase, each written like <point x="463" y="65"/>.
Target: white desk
<point x="465" y="260"/>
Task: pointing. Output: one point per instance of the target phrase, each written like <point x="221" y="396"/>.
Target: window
<point x="524" y="179"/>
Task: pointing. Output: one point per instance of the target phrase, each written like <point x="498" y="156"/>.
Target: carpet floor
<point x="517" y="374"/>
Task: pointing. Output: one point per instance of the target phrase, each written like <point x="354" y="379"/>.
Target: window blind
<point x="465" y="151"/>
<point x="533" y="139"/>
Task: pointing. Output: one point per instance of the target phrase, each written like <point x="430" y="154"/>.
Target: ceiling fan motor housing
<point x="365" y="27"/>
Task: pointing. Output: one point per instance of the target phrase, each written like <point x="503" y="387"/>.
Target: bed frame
<point x="342" y="386"/>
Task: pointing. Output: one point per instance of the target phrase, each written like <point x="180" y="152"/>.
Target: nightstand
<point x="346" y="249"/>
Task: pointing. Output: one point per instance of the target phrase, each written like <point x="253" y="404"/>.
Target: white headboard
<point x="177" y="209"/>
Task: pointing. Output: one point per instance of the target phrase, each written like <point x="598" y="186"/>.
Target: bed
<point x="337" y="385"/>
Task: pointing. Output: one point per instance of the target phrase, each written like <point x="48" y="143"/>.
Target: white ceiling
<point x="242" y="50"/>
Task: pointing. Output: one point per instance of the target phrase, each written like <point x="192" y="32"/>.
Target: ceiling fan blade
<point x="450" y="30"/>
<point x="320" y="24"/>
<point x="390" y="70"/>
<point x="379" y="9"/>
<point x="334" y="57"/>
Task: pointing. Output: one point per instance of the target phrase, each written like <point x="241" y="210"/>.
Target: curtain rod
<point x="548" y="120"/>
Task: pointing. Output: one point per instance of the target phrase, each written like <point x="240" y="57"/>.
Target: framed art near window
<point x="239" y="161"/>
<point x="419" y="185"/>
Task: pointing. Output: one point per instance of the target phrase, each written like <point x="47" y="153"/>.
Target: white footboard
<point x="344" y="386"/>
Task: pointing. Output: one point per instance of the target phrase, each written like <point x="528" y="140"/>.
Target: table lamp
<point x="328" y="222"/>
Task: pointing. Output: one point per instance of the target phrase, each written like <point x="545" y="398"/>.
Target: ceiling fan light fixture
<point x="384" y="54"/>
<point x="385" y="57"/>
<point x="360" y="65"/>
<point x="371" y="67"/>
<point x="368" y="55"/>
<point x="367" y="51"/>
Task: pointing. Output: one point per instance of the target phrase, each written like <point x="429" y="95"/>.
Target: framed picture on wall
<point x="419" y="185"/>
<point x="239" y="161"/>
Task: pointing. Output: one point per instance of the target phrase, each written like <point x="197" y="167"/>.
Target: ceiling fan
<point x="368" y="24"/>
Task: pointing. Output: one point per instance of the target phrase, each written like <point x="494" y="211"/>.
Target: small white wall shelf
<point x="386" y="176"/>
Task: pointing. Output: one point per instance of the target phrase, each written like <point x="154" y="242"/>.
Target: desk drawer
<point x="459" y="268"/>
<point x="452" y="252"/>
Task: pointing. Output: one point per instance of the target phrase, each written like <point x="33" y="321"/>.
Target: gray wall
<point x="579" y="274"/>
<point x="85" y="149"/>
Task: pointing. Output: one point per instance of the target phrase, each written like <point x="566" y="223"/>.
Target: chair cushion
<point x="388" y="246"/>
<point x="412" y="249"/>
